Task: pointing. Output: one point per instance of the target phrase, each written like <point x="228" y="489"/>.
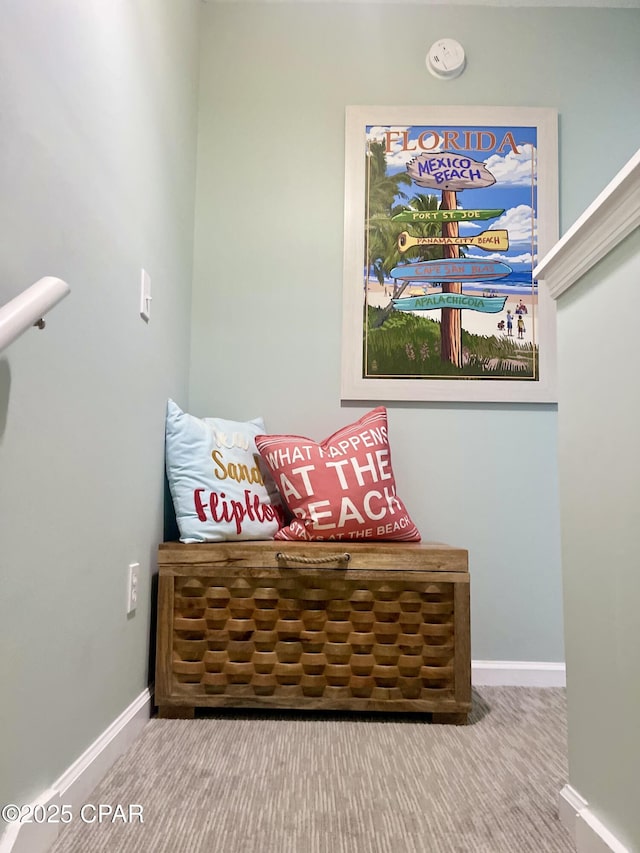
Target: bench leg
<point x="176" y="712"/>
<point x="453" y="719"/>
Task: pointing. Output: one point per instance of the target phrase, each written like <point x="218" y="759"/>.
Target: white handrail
<point x="29" y="307"/>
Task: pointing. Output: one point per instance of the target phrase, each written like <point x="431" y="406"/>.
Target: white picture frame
<point x="498" y="168"/>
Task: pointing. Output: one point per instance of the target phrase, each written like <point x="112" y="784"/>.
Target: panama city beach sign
<point x="447" y="211"/>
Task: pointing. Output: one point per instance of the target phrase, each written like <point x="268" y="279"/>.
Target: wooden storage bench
<point x="379" y="626"/>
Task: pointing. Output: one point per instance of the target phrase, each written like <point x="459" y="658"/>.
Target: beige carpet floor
<point x="286" y="782"/>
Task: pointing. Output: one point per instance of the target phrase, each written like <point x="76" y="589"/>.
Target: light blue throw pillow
<point x="219" y="485"/>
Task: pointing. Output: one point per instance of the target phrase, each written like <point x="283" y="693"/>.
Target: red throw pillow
<point x="343" y="488"/>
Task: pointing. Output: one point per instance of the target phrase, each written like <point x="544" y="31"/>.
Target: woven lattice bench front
<point x="373" y="627"/>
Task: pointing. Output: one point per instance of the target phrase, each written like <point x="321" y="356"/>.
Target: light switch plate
<point x="132" y="587"/>
<point x="145" y="296"/>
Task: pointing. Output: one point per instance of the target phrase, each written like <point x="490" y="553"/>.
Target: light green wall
<point x="599" y="463"/>
<point x="97" y="165"/>
<point x="267" y="303"/>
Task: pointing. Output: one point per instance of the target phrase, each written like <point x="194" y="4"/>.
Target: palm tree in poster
<point x="381" y="244"/>
<point x="421" y="203"/>
<point x="383" y="194"/>
<point x="382" y="191"/>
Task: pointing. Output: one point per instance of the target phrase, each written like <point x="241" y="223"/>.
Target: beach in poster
<point x="453" y="217"/>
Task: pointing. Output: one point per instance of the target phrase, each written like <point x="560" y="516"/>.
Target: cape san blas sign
<point x="449" y="172"/>
<point x="452" y="269"/>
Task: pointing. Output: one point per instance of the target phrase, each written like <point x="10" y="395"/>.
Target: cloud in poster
<point x="520" y="222"/>
<point x="525" y="258"/>
<point x="513" y="169"/>
<point x="397" y="158"/>
<point x="467" y="228"/>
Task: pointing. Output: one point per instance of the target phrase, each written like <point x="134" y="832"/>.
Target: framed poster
<point x="447" y="211"/>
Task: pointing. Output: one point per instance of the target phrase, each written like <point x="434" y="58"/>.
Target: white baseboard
<point x="590" y="835"/>
<point x="77" y="782"/>
<point x="517" y="673"/>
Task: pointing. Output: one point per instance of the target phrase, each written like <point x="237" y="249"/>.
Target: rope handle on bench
<point x="294" y="558"/>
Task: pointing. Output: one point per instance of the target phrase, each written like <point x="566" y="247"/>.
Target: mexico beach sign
<point x="449" y="172"/>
